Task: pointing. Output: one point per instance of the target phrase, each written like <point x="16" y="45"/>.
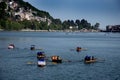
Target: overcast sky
<point x="105" y="12"/>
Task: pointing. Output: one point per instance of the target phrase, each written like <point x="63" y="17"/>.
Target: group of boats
<point x="41" y="57"/>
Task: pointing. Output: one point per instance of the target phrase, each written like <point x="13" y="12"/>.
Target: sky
<point x="105" y="12"/>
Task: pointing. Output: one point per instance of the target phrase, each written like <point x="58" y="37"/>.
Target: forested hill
<point x="18" y="15"/>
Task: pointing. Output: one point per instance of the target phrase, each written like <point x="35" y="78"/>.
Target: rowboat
<point x="41" y="59"/>
<point x="11" y="46"/>
<point x="56" y="59"/>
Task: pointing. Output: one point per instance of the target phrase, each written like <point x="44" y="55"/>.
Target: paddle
<point x="66" y="60"/>
<point x="31" y="63"/>
<point x="73" y="61"/>
<point x="83" y="49"/>
<point x="100" y="60"/>
<point x="39" y="49"/>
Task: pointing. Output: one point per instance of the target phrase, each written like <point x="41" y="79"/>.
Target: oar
<point x="30" y="63"/>
<point x="72" y="49"/>
<point x="100" y="59"/>
<point x="83" y="49"/>
<point x="66" y="60"/>
<point x="34" y="49"/>
<point x="39" y="49"/>
<point x="72" y="61"/>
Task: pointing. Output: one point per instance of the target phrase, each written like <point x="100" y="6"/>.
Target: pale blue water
<point x="13" y="63"/>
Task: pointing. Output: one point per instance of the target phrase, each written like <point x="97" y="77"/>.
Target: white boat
<point x="41" y="63"/>
<point x="11" y="46"/>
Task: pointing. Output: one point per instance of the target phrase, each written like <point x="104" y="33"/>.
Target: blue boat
<point x="41" y="59"/>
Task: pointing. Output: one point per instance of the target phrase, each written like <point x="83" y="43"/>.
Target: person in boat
<point x="93" y="58"/>
<point x="40" y="55"/>
<point x="87" y="58"/>
<point x="32" y="47"/>
<point x="11" y="46"/>
<point x="56" y="59"/>
<point x="78" y="49"/>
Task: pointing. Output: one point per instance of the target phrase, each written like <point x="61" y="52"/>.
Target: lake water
<point x="104" y="46"/>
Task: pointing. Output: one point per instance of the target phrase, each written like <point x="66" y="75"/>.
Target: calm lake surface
<point x="104" y="46"/>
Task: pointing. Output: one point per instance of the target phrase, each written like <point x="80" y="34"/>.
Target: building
<point x="113" y="28"/>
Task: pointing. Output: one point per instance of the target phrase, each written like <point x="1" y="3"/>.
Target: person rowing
<point x="78" y="49"/>
<point x="89" y="59"/>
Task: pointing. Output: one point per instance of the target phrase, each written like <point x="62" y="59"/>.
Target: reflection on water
<point x="14" y="63"/>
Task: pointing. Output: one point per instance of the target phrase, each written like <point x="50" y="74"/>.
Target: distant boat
<point x="11" y="46"/>
<point x="56" y="59"/>
<point x="32" y="47"/>
<point x="89" y="59"/>
<point x="41" y="59"/>
<point x="78" y="49"/>
<point x="41" y="62"/>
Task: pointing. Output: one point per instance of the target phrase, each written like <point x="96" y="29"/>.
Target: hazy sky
<point x="105" y="12"/>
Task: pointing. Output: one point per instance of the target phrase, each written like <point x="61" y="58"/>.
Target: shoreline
<point x="29" y="30"/>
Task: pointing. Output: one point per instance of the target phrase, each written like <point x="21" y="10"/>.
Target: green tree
<point x="3" y="6"/>
<point x="96" y="26"/>
<point x="43" y="26"/>
<point x="65" y="25"/>
<point x="56" y="24"/>
<point x="85" y="24"/>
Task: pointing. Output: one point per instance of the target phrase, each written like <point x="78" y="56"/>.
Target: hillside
<point x="28" y="6"/>
<point x="19" y="12"/>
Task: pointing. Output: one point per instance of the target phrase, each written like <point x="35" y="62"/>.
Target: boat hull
<point x="90" y="61"/>
<point x="41" y="63"/>
<point x="10" y="47"/>
<point x="57" y="61"/>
